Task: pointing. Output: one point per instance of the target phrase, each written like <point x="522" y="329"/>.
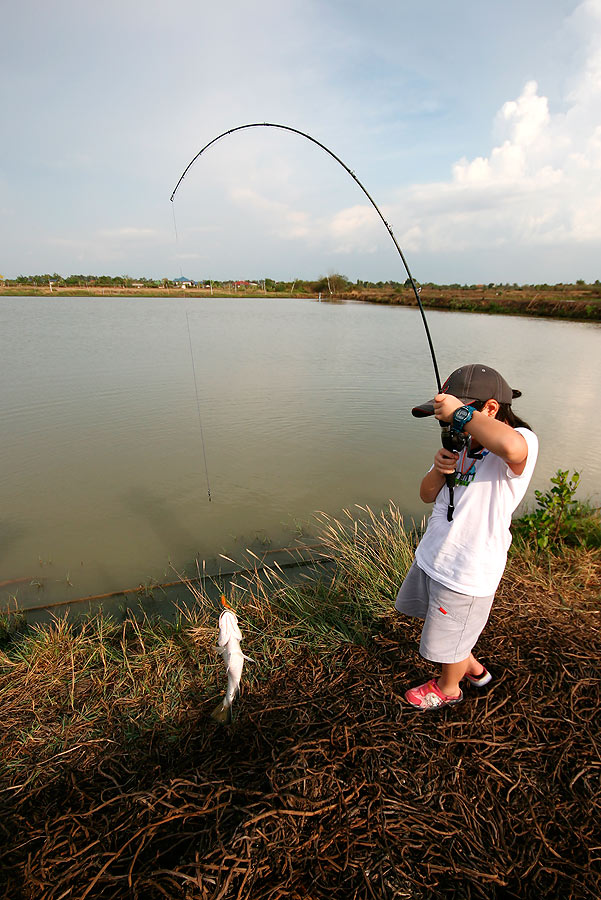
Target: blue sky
<point x="475" y="126"/>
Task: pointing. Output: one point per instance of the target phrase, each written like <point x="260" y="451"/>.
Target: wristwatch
<point x="461" y="417"/>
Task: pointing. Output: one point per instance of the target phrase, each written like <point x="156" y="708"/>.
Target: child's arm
<point x="499" y="438"/>
<point x="444" y="464"/>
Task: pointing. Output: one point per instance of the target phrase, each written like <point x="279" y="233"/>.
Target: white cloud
<point x="540" y="185"/>
<point x="130" y="233"/>
<point x="352" y="226"/>
<point x="114" y="244"/>
<point x="288" y="223"/>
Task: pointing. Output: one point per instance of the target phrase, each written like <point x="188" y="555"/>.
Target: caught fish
<point x="229" y="647"/>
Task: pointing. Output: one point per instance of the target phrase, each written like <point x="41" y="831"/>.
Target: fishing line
<point x="176" y="240"/>
<point x="202" y="438"/>
<point x="445" y="427"/>
<point x="313" y="140"/>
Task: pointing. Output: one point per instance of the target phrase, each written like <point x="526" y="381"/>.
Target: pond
<point x="114" y="431"/>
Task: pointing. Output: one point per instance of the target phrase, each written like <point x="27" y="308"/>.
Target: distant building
<point x="184" y="282"/>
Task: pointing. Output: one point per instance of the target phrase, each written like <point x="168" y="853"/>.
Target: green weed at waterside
<point x="12" y="622"/>
<point x="373" y="554"/>
<point x="559" y="518"/>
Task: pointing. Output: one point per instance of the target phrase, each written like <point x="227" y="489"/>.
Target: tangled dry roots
<point x="329" y="786"/>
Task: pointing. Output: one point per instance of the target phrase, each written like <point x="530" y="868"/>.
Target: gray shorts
<point x="452" y="622"/>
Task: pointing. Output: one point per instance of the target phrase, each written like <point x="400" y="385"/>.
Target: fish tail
<point x="222" y="714"/>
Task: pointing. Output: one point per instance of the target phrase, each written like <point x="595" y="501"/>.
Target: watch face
<point x="462" y="413"/>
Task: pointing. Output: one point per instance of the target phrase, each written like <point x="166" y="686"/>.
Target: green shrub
<point x="559" y="518"/>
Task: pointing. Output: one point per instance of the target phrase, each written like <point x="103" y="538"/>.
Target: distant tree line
<point x="82" y="280"/>
<point x="333" y="284"/>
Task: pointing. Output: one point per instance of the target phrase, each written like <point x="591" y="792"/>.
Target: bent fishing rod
<point x="447" y="437"/>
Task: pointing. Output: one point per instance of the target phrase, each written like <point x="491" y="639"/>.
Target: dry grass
<point x="117" y="783"/>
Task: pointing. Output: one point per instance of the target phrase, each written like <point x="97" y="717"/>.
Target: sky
<point x="476" y="128"/>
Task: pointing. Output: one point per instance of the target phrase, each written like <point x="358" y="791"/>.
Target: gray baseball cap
<point x="469" y="383"/>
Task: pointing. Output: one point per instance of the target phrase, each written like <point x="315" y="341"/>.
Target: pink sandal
<point x="429" y="696"/>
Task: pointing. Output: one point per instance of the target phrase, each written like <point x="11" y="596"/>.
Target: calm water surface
<point x="305" y="406"/>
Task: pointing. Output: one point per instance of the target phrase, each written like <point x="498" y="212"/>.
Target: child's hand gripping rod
<point x="455" y="442"/>
<point x="448" y="443"/>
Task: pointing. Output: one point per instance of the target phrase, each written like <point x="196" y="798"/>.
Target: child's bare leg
<point x="475" y="667"/>
<point x="452" y="673"/>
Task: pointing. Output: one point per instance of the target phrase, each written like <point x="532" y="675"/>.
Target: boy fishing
<point x="462" y="555"/>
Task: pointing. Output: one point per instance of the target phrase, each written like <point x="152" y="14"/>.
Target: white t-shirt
<point x="469" y="553"/>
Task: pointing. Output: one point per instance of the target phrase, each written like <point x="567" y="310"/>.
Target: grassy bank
<point x="117" y="783"/>
<point x="577" y="302"/>
<point x="568" y="302"/>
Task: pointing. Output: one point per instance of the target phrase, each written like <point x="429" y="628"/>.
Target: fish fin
<point x="248" y="658"/>
<point x="222" y="714"/>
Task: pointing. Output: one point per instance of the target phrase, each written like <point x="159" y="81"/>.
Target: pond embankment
<point x="116" y="781"/>
<point x="567" y="302"/>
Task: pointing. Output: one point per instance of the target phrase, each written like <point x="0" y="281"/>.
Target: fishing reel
<point x="452" y="439"/>
<point x="455" y="441"/>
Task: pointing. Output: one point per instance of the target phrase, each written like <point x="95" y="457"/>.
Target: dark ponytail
<point x="507" y="415"/>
